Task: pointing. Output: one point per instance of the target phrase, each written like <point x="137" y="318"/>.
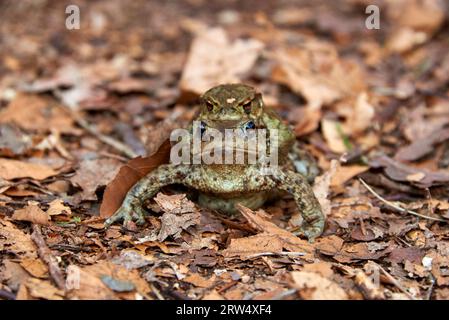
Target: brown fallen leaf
<point x="345" y="173"/>
<point x="43" y="289"/>
<point x="214" y="60"/>
<point x="246" y="247"/>
<point x="86" y="282"/>
<point x="13" y="141"/>
<point x="15" y="169"/>
<point x="399" y="172"/>
<point x="13" y="274"/>
<point x="317" y="73"/>
<point x="413" y="22"/>
<point x="35" y="267"/>
<point x="422" y="147"/>
<point x="16" y="241"/>
<point x="179" y="214"/>
<point x="363" y="251"/>
<point x="128" y="175"/>
<point x="361" y="116"/>
<point x="314" y="286"/>
<point x="32" y="213"/>
<point x="333" y="136"/>
<point x="57" y="207"/>
<point x="307" y="121"/>
<point x="33" y="112"/>
<point x="258" y="220"/>
<point x="199" y="281"/>
<point x="92" y="174"/>
<point x="330" y="245"/>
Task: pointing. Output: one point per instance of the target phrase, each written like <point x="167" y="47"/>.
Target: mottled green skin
<point x="224" y="185"/>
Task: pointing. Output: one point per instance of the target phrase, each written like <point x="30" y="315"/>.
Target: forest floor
<point x="372" y="106"/>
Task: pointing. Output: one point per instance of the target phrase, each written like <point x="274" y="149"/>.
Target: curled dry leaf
<point x="317" y="73"/>
<point x="128" y="175"/>
<point x="32" y="112"/>
<point x="179" y="214"/>
<point x="57" y="207"/>
<point x="214" y="60"/>
<point x="14" y="169"/>
<point x="16" y="241"/>
<point x="43" y="289"/>
<point x="314" y="286"/>
<point x="333" y="136"/>
<point x="422" y="147"/>
<point x="32" y="213"/>
<point x="401" y="172"/>
<point x="258" y="220"/>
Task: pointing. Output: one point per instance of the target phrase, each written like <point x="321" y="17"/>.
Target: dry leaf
<point x="32" y="213"/>
<point x="128" y="175"/>
<point x="43" y="289"/>
<point x="180" y="214"/>
<point x="14" y="169"/>
<point x="57" y="207"/>
<point x="361" y="117"/>
<point x="258" y="220"/>
<point x="316" y="72"/>
<point x="35" y="267"/>
<point x="16" y="241"/>
<point x="94" y="173"/>
<point x="321" y="288"/>
<point x="199" y="281"/>
<point x="333" y="136"/>
<point x="32" y="112"/>
<point x="214" y="60"/>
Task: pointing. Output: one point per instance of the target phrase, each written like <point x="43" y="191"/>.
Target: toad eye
<point x="209" y="106"/>
<point x="247" y="107"/>
<point x="250" y="125"/>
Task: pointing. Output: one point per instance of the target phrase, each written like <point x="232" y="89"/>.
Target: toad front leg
<point x="132" y="206"/>
<point x="297" y="185"/>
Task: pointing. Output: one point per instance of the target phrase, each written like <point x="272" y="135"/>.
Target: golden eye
<point x="247" y="107"/>
<point x="209" y="106"/>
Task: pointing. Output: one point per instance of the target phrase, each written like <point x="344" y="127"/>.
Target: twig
<point x="391" y="204"/>
<point x="395" y="282"/>
<point x="156" y="292"/>
<point x="432" y="284"/>
<point x="281" y="253"/>
<point x="284" y="294"/>
<point x="46" y="256"/>
<point x="117" y="145"/>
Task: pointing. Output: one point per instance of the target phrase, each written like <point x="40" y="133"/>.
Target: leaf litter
<point x="373" y="114"/>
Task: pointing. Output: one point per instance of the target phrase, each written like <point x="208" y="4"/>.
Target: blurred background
<point x="75" y="105"/>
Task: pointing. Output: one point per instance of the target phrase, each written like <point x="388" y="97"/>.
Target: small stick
<point x="281" y="253"/>
<point x="156" y="292"/>
<point x="391" y="204"/>
<point x="46" y="256"/>
<point x="395" y="282"/>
